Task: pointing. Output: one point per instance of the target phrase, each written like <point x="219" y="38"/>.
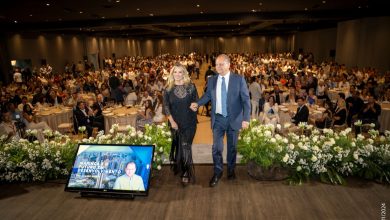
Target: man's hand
<point x="194" y="106"/>
<point x="245" y="124"/>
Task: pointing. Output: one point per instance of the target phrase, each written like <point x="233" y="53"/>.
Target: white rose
<point x="299" y="168"/>
<point x="285" y="158"/>
<point x="159" y="167"/>
<point x="273" y="140"/>
<point x="356" y="155"/>
<point x="291" y="146"/>
<point x="314" y="158"/>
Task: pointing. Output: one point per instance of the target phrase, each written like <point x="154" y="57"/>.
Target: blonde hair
<point x="171" y="79"/>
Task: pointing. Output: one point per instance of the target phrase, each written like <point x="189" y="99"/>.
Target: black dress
<point x="177" y="103"/>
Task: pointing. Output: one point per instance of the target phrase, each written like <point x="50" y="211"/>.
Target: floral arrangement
<point x="24" y="160"/>
<point x="324" y="154"/>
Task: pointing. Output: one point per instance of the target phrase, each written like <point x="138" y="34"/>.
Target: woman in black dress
<point x="180" y="92"/>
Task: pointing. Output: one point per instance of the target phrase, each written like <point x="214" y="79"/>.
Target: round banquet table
<point x="54" y="115"/>
<point x="286" y="108"/>
<point x="125" y="115"/>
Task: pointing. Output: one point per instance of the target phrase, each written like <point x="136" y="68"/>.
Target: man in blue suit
<point x="230" y="111"/>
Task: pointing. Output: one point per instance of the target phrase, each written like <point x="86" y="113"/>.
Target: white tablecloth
<point x="284" y="116"/>
<point x="120" y="116"/>
<point x="54" y="116"/>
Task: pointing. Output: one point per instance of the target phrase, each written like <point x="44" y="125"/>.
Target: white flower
<point x="82" y="128"/>
<point x="372" y="125"/>
<point x="353" y="144"/>
<point x="285" y="140"/>
<point x="360" y="137"/>
<point x="278" y="126"/>
<point x="299" y="168"/>
<point x="159" y="167"/>
<point x="355" y="155"/>
<point x="268" y="133"/>
<point x="382" y="138"/>
<point x="285" y="158"/>
<point x="291" y="146"/>
<point x="315" y="148"/>
<point x="161" y="149"/>
<point x="287" y="125"/>
<point x="358" y="123"/>
<point x="273" y="140"/>
<point x="370" y="141"/>
<point x="314" y="158"/>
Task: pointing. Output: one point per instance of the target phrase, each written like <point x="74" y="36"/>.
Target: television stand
<point x="107" y="195"/>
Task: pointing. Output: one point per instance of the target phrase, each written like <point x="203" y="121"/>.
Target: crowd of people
<point x="245" y="85"/>
<point x="272" y="79"/>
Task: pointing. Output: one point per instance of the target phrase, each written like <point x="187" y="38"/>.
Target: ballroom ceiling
<point x="186" y="18"/>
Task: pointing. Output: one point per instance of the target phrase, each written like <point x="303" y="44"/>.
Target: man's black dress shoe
<point x="214" y="180"/>
<point x="231" y="175"/>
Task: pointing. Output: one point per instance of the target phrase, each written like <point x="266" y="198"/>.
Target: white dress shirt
<point x="218" y="108"/>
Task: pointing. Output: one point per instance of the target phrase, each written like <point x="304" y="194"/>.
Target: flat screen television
<point x="111" y="170"/>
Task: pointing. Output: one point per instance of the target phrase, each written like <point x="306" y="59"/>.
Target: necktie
<point x="224" y="97"/>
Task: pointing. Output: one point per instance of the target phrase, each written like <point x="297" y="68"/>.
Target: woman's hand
<point x="174" y="124"/>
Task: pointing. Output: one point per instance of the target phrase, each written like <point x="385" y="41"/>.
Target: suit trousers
<point x="222" y="127"/>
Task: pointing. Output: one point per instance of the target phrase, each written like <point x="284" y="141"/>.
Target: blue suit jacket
<point x="238" y="102"/>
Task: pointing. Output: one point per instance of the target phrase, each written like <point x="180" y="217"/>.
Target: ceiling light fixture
<point x="103" y="17"/>
<point x="30" y="15"/>
<point x="15" y="22"/>
<point x="201" y="12"/>
<point x="47" y="4"/>
<point x="306" y="9"/>
<point x="260" y="3"/>
<point x="138" y="9"/>
<point x="151" y="14"/>
<point x="197" y="6"/>
<point x="80" y="12"/>
<point x="253" y="10"/>
<point x="117" y="1"/>
<point x="323" y="2"/>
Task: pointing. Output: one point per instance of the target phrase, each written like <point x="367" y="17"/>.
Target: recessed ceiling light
<point x="359" y="6"/>
<point x="60" y="19"/>
<point x="15" y="22"/>
<point x="253" y="10"/>
<point x="260" y="3"/>
<point x="239" y="23"/>
<point x="151" y="14"/>
<point x="201" y="12"/>
<point x="80" y="12"/>
<point x="305" y="9"/>
<point x="198" y="6"/>
<point x="138" y="9"/>
<point x="323" y="2"/>
<point x="30" y="15"/>
<point x="103" y="17"/>
<point x="47" y="4"/>
<point x="117" y="1"/>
